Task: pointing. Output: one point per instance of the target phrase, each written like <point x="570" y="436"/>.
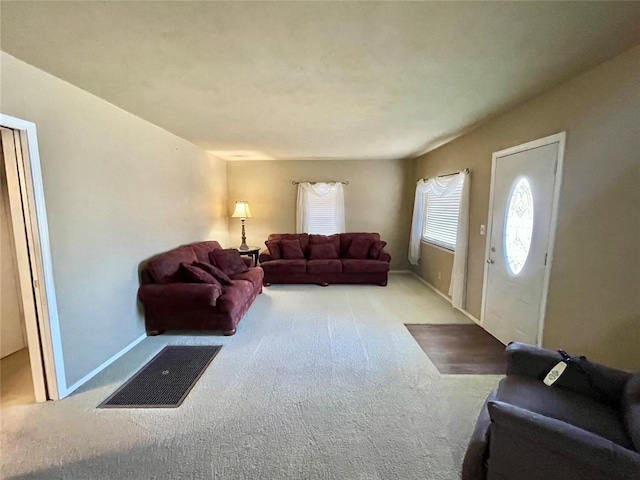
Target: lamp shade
<point x="242" y="210"/>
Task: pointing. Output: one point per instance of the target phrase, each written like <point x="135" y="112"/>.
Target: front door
<point x="519" y="240"/>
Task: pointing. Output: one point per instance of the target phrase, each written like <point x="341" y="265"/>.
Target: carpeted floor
<point x="318" y="383"/>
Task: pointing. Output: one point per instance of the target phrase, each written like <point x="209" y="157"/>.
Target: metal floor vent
<point x="166" y="380"/>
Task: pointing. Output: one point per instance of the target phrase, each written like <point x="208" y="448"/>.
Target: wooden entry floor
<point x="460" y="349"/>
<point x="16" y="384"/>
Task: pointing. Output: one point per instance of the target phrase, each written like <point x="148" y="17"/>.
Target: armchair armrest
<point x="529" y="361"/>
<point x="178" y="293"/>
<point x="582" y="376"/>
<point x="528" y="445"/>
<point x="474" y="465"/>
<point x="248" y="261"/>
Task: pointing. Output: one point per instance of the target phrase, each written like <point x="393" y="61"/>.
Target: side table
<point x="251" y="252"/>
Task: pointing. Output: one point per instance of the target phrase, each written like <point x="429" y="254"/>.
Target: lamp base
<point x="243" y="245"/>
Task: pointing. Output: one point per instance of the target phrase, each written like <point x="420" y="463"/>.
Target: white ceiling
<point x="297" y="80"/>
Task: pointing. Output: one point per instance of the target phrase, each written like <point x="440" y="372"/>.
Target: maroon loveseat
<point x="325" y="259"/>
<point x="170" y="303"/>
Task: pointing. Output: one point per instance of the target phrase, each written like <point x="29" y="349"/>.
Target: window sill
<point x="437" y="247"/>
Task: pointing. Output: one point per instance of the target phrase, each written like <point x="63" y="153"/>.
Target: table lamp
<point x="242" y="212"/>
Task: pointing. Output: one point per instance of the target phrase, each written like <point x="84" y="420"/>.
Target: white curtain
<point x="417" y="224"/>
<point x="444" y="186"/>
<point x="320" y="208"/>
<point x="458" y="286"/>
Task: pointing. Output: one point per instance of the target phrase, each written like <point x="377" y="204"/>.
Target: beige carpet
<point x="318" y="383"/>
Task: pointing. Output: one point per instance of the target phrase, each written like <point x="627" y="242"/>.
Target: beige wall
<point x="594" y="296"/>
<point x="375" y="199"/>
<point x="435" y="267"/>
<point x="118" y="190"/>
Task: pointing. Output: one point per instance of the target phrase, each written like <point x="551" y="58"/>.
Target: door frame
<point x="560" y="139"/>
<point x="24" y="181"/>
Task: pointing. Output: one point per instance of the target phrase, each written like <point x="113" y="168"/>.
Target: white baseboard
<point x="400" y="271"/>
<point x="104" y="365"/>
<point x="467" y="314"/>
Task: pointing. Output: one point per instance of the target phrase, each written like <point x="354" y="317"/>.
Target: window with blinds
<point x="441" y="220"/>
<point x="322" y="214"/>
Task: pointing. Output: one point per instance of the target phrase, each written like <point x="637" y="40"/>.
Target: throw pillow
<point x="334" y="239"/>
<point x="291" y="249"/>
<point x="194" y="274"/>
<point x="214" y="271"/>
<point x="274" y="249"/>
<point x="322" y="252"/>
<point x="359" y="247"/>
<point x="376" y="249"/>
<point x="228" y="260"/>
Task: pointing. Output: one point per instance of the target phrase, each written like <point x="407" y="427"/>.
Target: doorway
<point x="525" y="187"/>
<point x="33" y="275"/>
<point x="13" y="335"/>
<point x="15" y="369"/>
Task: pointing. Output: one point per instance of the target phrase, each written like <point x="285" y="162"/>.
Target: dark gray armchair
<point x="584" y="427"/>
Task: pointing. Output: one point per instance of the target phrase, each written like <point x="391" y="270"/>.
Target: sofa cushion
<point x="631" y="409"/>
<point x="165" y="268"/>
<point x="274" y="249"/>
<point x="253" y="275"/>
<point x="291" y="249"/>
<point x="234" y="296"/>
<point x="376" y="249"/>
<point x="564" y="405"/>
<point x="202" y="249"/>
<point x="315" y="239"/>
<point x="347" y="238"/>
<point x="285" y="266"/>
<point x="359" y="248"/>
<point x="228" y="260"/>
<point x="303" y="237"/>
<point x="324" y="265"/>
<point x="195" y="274"/>
<point x="350" y="265"/>
<point x="322" y="252"/>
<point x="214" y="271"/>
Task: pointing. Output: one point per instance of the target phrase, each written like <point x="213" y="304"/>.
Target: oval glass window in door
<point x="518" y="226"/>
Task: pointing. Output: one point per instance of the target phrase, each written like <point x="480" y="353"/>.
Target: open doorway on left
<point x="16" y="385"/>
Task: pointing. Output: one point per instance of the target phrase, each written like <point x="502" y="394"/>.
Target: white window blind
<point x="320" y="208"/>
<point x="441" y="220"/>
<point x="322" y="213"/>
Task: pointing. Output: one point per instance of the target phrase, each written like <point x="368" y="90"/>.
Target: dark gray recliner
<point x="584" y="427"/>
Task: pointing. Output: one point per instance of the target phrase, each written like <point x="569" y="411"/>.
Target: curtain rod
<point x="344" y="182"/>
<point x="466" y="170"/>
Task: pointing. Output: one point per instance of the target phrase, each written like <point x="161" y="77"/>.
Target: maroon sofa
<point x="170" y="303"/>
<point x="348" y="265"/>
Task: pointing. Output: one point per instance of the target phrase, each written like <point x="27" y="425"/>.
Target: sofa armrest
<point x="528" y="445"/>
<point x="265" y="257"/>
<point x="385" y="256"/>
<point x="248" y="261"/>
<point x="173" y="293"/>
<point x="582" y="376"/>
